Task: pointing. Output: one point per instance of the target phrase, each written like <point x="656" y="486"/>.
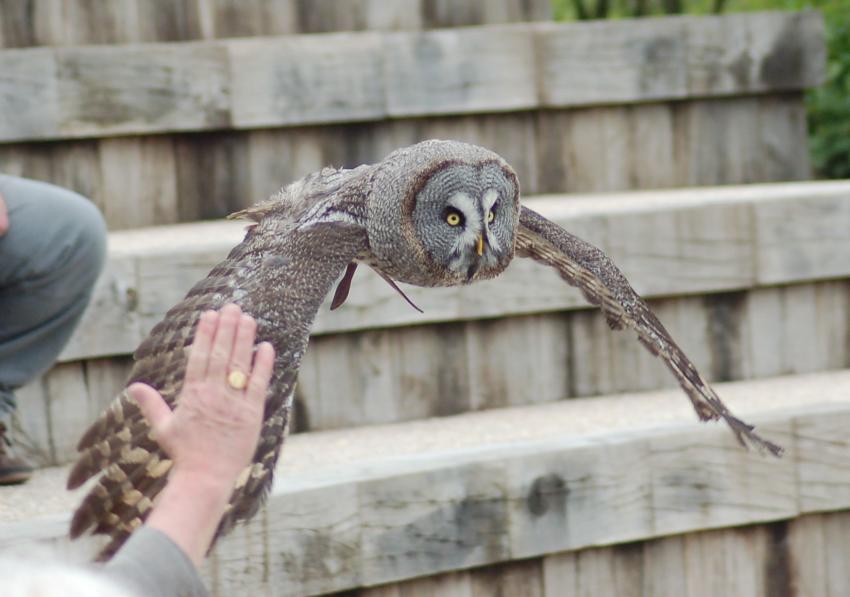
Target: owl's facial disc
<point x="473" y="246"/>
<point x="465" y="219"/>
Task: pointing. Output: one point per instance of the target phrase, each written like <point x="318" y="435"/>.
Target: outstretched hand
<point x="215" y="427"/>
<point x="212" y="433"/>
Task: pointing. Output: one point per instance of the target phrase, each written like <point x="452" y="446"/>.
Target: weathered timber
<point x="266" y="82"/>
<point x="186" y="177"/>
<point x="375" y="360"/>
<point x="77" y="22"/>
<point x="667" y="243"/>
<point x="408" y="373"/>
<point x="386" y="504"/>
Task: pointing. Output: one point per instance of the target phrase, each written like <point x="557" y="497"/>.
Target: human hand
<point x="4" y="216"/>
<point x="213" y="431"/>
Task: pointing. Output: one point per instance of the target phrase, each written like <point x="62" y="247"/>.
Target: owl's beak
<point x="479" y="246"/>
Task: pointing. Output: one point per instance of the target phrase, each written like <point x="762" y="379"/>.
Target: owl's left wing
<point x="279" y="274"/>
<point x="586" y="267"/>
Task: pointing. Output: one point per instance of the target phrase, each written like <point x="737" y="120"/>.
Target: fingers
<point x="262" y="373"/>
<point x="243" y="346"/>
<point x="151" y="403"/>
<point x="222" y="347"/>
<point x="199" y="352"/>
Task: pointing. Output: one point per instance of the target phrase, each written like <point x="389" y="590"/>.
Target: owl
<point x="438" y="213"/>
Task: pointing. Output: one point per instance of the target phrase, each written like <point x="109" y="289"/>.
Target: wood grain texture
<point x="667" y="243"/>
<point x="643" y="146"/>
<point x="337" y="521"/>
<point x="270" y="82"/>
<point x="62" y="22"/>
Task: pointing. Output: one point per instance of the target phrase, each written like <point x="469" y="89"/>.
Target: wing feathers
<point x="280" y="274"/>
<point x="603" y="285"/>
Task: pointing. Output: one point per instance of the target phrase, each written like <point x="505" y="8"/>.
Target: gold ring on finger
<point x="237" y="380"/>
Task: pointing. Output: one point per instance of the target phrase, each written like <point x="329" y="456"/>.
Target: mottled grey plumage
<point x="439" y="213"/>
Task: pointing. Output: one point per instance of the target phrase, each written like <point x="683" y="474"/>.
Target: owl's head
<point x="443" y="213"/>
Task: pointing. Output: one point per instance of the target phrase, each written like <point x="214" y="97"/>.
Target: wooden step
<point x="751" y="281"/>
<point x="361" y="507"/>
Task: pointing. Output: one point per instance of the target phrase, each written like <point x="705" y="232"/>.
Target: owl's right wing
<point x="590" y="270"/>
<point x="279" y="274"/>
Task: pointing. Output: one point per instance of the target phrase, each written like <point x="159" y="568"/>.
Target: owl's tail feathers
<point x="119" y="412"/>
<point x="124" y="446"/>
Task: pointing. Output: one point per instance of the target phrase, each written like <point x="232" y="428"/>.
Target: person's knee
<point x="87" y="235"/>
<point x="55" y="236"/>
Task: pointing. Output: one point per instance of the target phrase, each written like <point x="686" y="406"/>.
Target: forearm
<point x="189" y="511"/>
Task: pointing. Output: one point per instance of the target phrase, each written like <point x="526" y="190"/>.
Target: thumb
<point x="151" y="403"/>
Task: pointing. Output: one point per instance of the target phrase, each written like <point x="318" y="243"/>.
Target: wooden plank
<point x="364" y="507"/>
<point x="582" y="64"/>
<point x="783" y="121"/>
<point x="111" y="323"/>
<point x="837" y="537"/>
<point x="56" y="408"/>
<point x="677" y="57"/>
<point x="824" y="466"/>
<point x="656" y="239"/>
<point x="725" y="562"/>
<point x="145" y="88"/>
<point x="244" y="83"/>
<point x="139" y="182"/>
<point x="723" y="57"/>
<point x="452" y="584"/>
<point x="34" y="23"/>
<point x="808" y="235"/>
<point x="651" y="148"/>
<point x="560" y="574"/>
<point x="518" y="360"/>
<point x="93" y="22"/>
<point x="610" y="571"/>
<point x="603" y="361"/>
<point x="689" y="477"/>
<point x="245" y="18"/>
<point x="557" y="503"/>
<point x="307" y="543"/>
<point x="212" y="175"/>
<point x="520" y="579"/>
<point x="414" y="525"/>
<point x="28" y="94"/>
<point x="445" y="13"/>
<point x="808" y="549"/>
<point x="796" y="329"/>
<point x="459" y="71"/>
<point x="294" y="80"/>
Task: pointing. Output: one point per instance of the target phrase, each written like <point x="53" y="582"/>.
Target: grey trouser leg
<point x="49" y="260"/>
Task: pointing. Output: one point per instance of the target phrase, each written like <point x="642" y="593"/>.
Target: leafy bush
<point x="828" y="106"/>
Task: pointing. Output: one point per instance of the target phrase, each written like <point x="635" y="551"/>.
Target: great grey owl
<point x="439" y="213"/>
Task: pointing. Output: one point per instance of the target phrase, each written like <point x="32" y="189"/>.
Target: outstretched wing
<point x="279" y="275"/>
<point x="589" y="269"/>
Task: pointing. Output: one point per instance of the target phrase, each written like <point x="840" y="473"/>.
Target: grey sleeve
<point x="150" y="563"/>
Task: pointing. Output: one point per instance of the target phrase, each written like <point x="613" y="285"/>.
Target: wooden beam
<point x="96" y="91"/>
<point x="666" y="242"/>
<point x="363" y="507"/>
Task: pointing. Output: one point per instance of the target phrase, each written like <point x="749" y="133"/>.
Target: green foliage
<point x="828" y="106"/>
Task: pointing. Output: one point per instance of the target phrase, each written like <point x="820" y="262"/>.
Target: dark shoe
<point x="13" y="470"/>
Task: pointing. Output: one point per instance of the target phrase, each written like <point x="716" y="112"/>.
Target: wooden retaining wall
<point x="172" y="132"/>
<point x="79" y="22"/>
<point x="611" y="495"/>
<point x="752" y="282"/>
<point x="804" y="557"/>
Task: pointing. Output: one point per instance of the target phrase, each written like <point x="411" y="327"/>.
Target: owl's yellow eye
<point x="490" y="216"/>
<point x="453" y="218"/>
